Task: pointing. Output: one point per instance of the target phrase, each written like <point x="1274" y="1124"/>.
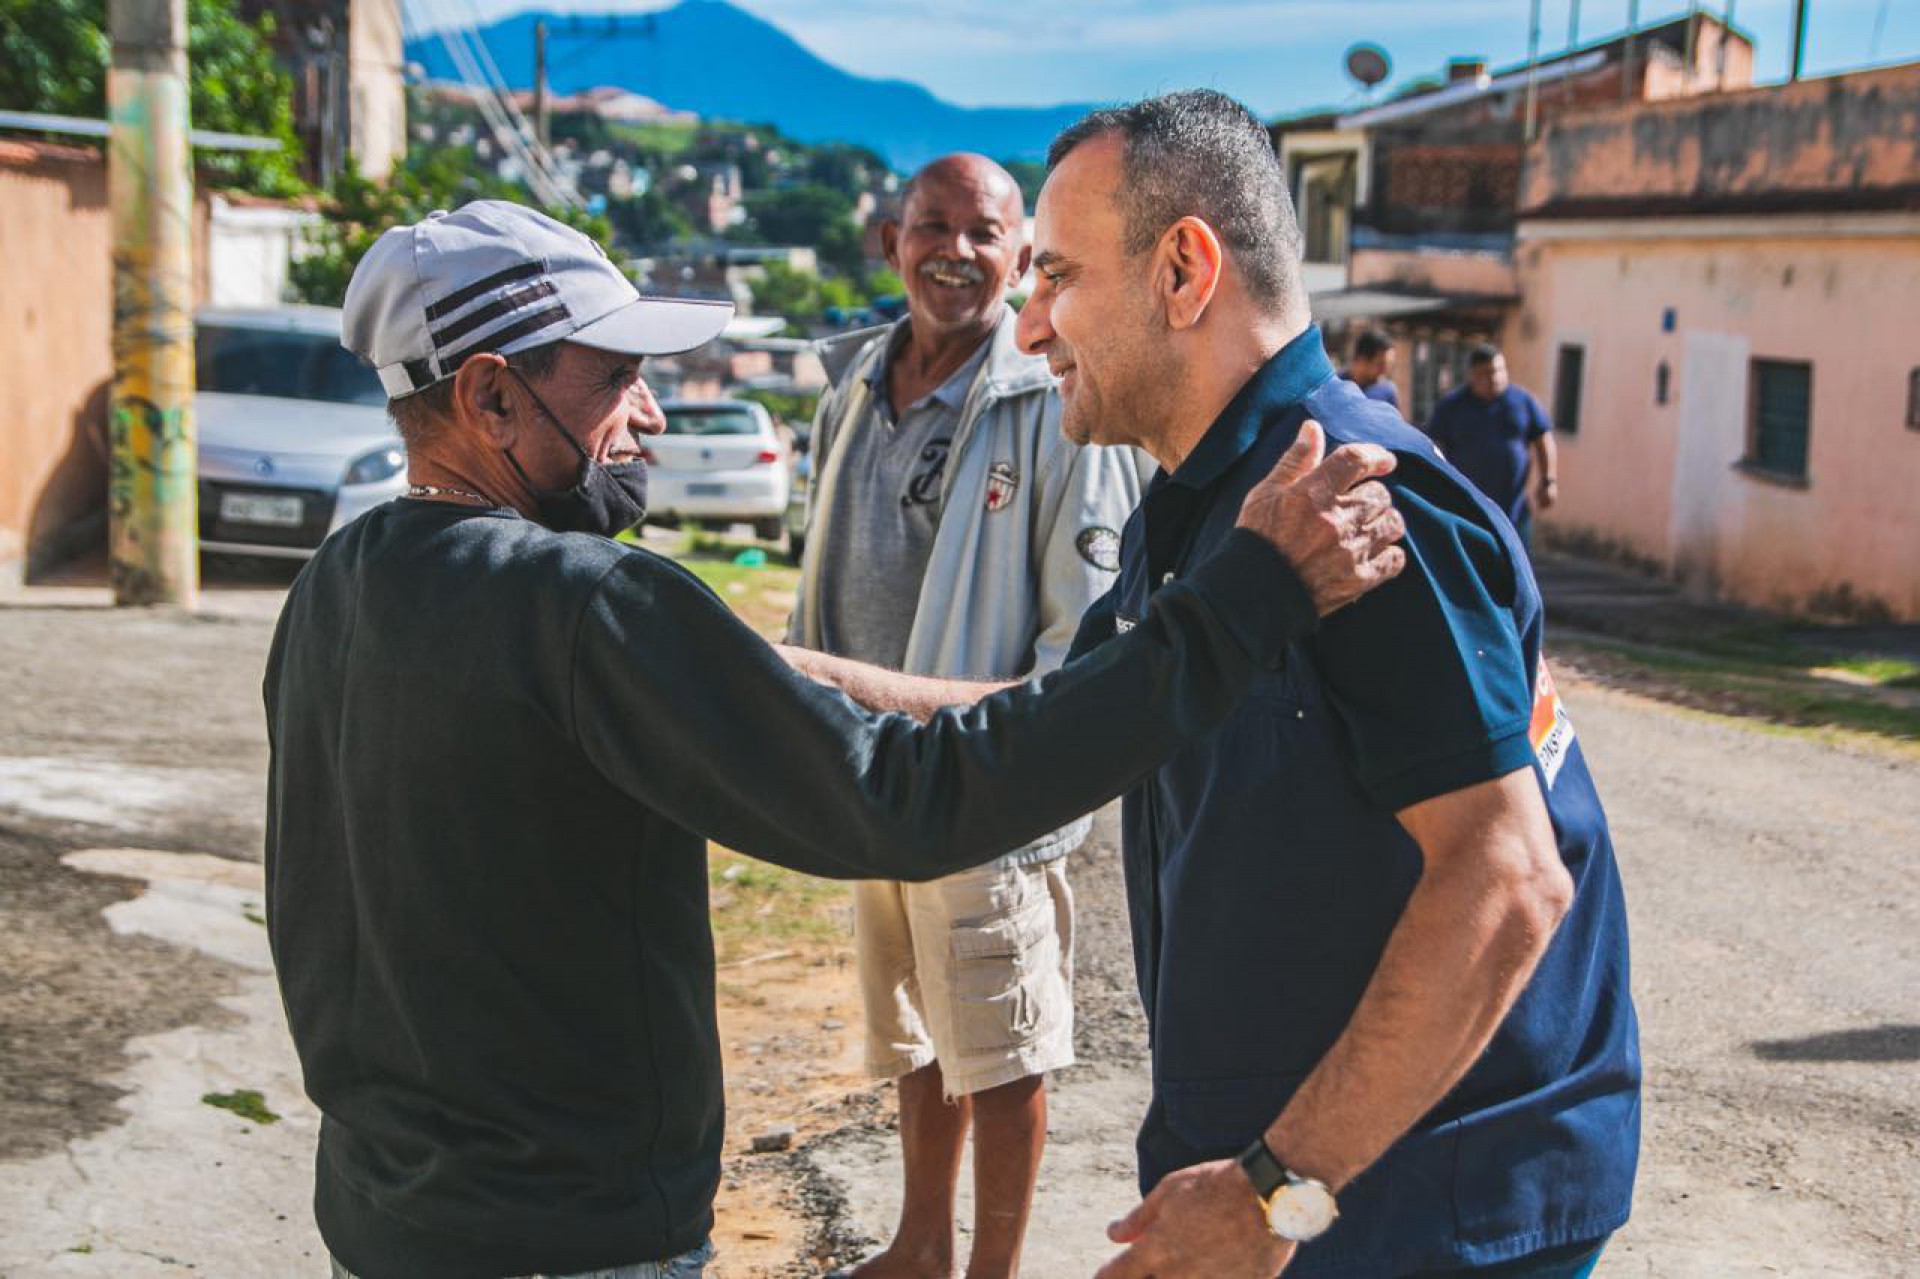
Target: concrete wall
<point x="1843" y="137"/>
<point x="56" y="312"/>
<point x="376" y="94"/>
<point x="250" y="244"/>
<point x="1697" y="236"/>
<point x="1661" y="480"/>
<point x="1434" y="271"/>
<point x="56" y="344"/>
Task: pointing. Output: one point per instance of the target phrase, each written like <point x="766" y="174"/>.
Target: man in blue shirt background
<point x="1371" y="367"/>
<point x="1377" y="925"/>
<point x="1495" y="433"/>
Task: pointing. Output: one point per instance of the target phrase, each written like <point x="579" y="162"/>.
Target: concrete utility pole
<point x="152" y="506"/>
<point x="1799" y="37"/>
<point x="540" y="82"/>
<point x="1533" y="70"/>
<point x="1626" y="54"/>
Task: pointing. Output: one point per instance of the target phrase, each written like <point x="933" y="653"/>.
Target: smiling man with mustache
<point x="957" y="534"/>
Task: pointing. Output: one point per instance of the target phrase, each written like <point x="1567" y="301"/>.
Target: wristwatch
<point x="1296" y="1208"/>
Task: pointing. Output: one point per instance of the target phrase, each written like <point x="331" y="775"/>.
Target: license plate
<point x="254" y="508"/>
<point x="706" y="490"/>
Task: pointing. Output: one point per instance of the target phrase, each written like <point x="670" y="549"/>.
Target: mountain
<point x="724" y="63"/>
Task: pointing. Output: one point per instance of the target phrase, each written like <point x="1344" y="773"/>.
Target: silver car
<point x="294" y="435"/>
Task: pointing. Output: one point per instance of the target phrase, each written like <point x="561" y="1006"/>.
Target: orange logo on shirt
<point x="1550" y="731"/>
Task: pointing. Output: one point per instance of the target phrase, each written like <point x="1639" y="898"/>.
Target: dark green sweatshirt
<point x="498" y="753"/>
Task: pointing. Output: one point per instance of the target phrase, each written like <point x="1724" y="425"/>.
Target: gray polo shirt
<point x="887" y="506"/>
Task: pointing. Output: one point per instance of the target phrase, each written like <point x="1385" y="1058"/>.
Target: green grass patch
<point x="761" y="909"/>
<point x="661" y="138"/>
<point x="244" y="1102"/>
<point x="1778" y="692"/>
<point x="1891" y="672"/>
<point x="762" y="594"/>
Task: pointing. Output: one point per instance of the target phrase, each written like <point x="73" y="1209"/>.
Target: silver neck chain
<point x="436" y="490"/>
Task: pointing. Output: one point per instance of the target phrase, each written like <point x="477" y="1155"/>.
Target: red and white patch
<point x="1550" y="731"/>
<point x="1002" y="483"/>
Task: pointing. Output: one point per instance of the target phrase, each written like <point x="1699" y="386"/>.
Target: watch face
<point x="1300" y="1211"/>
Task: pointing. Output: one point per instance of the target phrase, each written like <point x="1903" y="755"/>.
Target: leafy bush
<point x="54" y="56"/>
<point x="358" y="209"/>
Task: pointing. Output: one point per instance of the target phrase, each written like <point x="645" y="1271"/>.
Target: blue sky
<point x="1276" y="55"/>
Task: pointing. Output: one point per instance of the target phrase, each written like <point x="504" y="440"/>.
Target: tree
<point x="358" y="209"/>
<point x="237" y="87"/>
<point x="1031" y="176"/>
<point x="847" y="169"/>
<point x="786" y="292"/>
<point x="54" y="56"/>
<point x="843" y="247"/>
<point x="797" y="215"/>
<point x="648" y="218"/>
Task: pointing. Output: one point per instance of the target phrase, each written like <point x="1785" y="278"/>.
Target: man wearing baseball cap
<point x="501" y="740"/>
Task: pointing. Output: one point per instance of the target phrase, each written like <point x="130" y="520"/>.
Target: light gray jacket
<point x="1011" y="569"/>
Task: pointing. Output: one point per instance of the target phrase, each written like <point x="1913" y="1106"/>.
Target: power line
<point x="501" y="113"/>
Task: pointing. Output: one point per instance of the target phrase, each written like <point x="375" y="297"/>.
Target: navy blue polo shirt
<point x="1381" y="389"/>
<point x="1265" y="867"/>
<point x="1487" y="441"/>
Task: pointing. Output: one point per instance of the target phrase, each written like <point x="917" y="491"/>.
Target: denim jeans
<point x="688" y="1265"/>
<point x="1573" y="1261"/>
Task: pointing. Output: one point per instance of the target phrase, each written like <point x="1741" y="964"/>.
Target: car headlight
<point x="381" y="464"/>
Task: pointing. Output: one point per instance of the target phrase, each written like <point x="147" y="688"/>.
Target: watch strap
<point x="1265" y="1172"/>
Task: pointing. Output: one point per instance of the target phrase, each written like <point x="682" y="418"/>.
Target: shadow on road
<point x="1873" y="1043"/>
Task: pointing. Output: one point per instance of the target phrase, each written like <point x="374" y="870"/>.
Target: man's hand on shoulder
<point x="1202" y="1222"/>
<point x="1331" y="517"/>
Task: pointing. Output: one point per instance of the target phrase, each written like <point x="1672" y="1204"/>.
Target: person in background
<point x="1371" y="367"/>
<point x="953" y="532"/>
<point x="1497" y="435"/>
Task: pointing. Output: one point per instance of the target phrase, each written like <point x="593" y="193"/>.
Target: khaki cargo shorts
<point x="974" y="971"/>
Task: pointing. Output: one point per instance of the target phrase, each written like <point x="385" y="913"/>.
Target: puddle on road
<point x="210" y="904"/>
<point x="101" y="792"/>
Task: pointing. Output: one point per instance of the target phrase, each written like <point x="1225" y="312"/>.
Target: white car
<point x="293" y="429"/>
<point x="718" y="462"/>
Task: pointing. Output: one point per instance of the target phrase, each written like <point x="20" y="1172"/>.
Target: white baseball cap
<point x="496" y="276"/>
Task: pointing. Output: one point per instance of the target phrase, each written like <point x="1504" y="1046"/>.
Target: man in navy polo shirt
<point x="1496" y="434"/>
<point x="1371" y="367"/>
<point x="1377" y="923"/>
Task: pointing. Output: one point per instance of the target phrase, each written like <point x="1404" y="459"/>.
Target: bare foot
<point x="898" y="1263"/>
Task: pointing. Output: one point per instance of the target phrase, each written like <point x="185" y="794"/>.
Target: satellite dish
<point x="1368" y="64"/>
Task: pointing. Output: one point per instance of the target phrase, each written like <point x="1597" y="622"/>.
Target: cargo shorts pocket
<point x="1006" y="971"/>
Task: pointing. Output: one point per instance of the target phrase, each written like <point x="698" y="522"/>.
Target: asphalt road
<point x="1772" y="880"/>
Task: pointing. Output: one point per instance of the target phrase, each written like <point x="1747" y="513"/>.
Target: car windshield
<point x="283" y="364"/>
<point x="722" y="421"/>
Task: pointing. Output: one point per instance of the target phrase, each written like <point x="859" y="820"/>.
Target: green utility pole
<point x="151" y="497"/>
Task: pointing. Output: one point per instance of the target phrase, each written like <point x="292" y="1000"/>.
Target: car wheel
<point x="769" y="529"/>
<point x="796" y="546"/>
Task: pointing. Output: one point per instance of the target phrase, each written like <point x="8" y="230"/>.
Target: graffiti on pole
<point x="152" y="491"/>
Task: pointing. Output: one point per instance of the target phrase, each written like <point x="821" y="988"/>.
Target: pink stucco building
<point x="1720" y="303"/>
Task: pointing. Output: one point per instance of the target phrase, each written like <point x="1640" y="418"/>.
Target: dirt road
<point x="1772" y="879"/>
<point x="1774" y="890"/>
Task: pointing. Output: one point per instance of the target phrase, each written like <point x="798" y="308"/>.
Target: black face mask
<point x="607" y="500"/>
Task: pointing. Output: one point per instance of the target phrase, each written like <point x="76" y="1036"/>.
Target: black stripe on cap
<point x="512" y="300"/>
<point x="454" y="301"/>
<point x="420" y="373"/>
<point x="542" y="319"/>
